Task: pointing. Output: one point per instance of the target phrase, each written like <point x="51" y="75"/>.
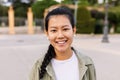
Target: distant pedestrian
<point x="62" y="61"/>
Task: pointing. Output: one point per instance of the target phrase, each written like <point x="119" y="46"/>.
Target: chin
<point x="61" y="49"/>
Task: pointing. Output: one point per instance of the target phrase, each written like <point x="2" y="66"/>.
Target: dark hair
<point x="51" y="52"/>
<point x="49" y="55"/>
<point x="60" y="11"/>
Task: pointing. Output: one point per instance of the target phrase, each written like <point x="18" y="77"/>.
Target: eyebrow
<point x="64" y="26"/>
<point x="53" y="27"/>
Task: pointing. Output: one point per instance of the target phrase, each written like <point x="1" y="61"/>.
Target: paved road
<point x="19" y="52"/>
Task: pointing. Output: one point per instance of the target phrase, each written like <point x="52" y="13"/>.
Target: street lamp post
<point x="105" y="30"/>
<point x="75" y="12"/>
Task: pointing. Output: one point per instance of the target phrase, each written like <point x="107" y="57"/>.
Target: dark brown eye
<point x="65" y="29"/>
<point x="53" y="31"/>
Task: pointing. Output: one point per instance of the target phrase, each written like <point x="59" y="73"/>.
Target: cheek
<point x="51" y="37"/>
<point x="70" y="34"/>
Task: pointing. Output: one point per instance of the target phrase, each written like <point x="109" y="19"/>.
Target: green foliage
<point x="117" y="28"/>
<point x="20" y="8"/>
<point x="92" y="2"/>
<point x="97" y="14"/>
<point x="3" y="10"/>
<point x="83" y="2"/>
<point x="99" y="24"/>
<point x="85" y="23"/>
<point x="68" y="2"/>
<point x="114" y="17"/>
<point x="39" y="7"/>
<point x="86" y="14"/>
<point x="116" y="12"/>
<point x="117" y="2"/>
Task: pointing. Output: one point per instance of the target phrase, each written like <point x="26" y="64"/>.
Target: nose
<point x="60" y="34"/>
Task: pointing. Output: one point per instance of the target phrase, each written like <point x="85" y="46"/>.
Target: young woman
<point x="61" y="61"/>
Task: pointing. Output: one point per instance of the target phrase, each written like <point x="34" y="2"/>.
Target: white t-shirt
<point x="66" y="69"/>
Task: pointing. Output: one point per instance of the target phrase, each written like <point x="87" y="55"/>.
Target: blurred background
<point x="90" y="14"/>
<point x="22" y="38"/>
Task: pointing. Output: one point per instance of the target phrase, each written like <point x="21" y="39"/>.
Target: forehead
<point x="58" y="17"/>
<point x="57" y="20"/>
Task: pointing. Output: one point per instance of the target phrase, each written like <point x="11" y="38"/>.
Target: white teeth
<point x="61" y="42"/>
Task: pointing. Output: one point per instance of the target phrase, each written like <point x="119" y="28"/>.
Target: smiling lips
<point x="61" y="42"/>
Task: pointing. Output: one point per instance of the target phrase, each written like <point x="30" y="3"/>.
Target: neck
<point x="63" y="55"/>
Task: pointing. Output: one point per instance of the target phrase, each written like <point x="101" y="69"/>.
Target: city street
<point x="18" y="53"/>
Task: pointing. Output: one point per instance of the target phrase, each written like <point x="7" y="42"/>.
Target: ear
<point x="74" y="30"/>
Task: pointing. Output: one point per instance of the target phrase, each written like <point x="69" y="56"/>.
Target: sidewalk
<point x="106" y="56"/>
<point x="19" y="52"/>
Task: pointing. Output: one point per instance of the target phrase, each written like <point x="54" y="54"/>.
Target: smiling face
<point x="60" y="33"/>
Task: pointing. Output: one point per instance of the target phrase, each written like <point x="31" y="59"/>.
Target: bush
<point x="97" y="14"/>
<point x="83" y="2"/>
<point x="114" y="18"/>
<point x="99" y="27"/>
<point x="117" y="29"/>
<point x="85" y="24"/>
<point x="86" y="27"/>
<point x="114" y="15"/>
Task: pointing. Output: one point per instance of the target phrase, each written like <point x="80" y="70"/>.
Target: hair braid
<point x="49" y="55"/>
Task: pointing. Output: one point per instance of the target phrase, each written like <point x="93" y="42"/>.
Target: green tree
<point x="39" y="7"/>
<point x="21" y="8"/>
<point x="92" y="2"/>
<point x="3" y="10"/>
<point x="67" y="2"/>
